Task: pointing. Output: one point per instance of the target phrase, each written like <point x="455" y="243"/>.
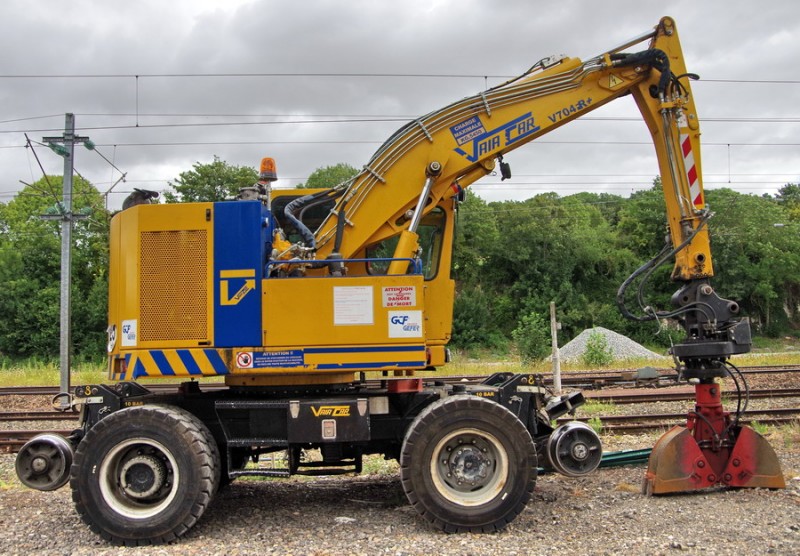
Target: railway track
<point x="609" y="396"/>
<point x="655" y="421"/>
<point x="11" y="440"/>
<point x="37" y="416"/>
<point x="684" y="393"/>
<point x="647" y="376"/>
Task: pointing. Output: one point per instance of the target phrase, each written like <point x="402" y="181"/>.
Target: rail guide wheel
<point x="574" y="449"/>
<point x="44" y="462"/>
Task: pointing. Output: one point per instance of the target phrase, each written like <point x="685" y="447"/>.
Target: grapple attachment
<point x="711" y="451"/>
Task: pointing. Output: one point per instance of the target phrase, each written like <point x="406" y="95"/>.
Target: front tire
<point x="468" y="465"/>
<point x="144" y="475"/>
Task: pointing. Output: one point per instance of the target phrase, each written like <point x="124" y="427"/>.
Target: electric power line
<point x="367" y="75"/>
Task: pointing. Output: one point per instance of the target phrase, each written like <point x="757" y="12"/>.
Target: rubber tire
<point x="194" y="455"/>
<point x="466" y="414"/>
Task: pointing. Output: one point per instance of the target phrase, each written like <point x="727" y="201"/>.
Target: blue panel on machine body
<point x="241" y="232"/>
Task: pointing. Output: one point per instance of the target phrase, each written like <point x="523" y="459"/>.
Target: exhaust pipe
<point x="43" y="462"/>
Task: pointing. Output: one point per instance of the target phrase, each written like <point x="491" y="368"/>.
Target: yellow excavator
<point x="327" y="314"/>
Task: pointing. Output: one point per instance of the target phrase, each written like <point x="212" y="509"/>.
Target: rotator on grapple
<point x="713" y="449"/>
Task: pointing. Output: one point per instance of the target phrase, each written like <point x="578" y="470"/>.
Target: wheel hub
<point x="466" y="463"/>
<point x="580" y="451"/>
<point x="40" y="464"/>
<point x="142" y="476"/>
<point x="469" y="466"/>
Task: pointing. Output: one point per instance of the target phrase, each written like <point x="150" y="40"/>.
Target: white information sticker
<point x="128" y="337"/>
<point x="352" y="305"/>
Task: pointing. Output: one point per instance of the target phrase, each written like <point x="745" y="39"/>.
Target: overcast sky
<point x="83" y="57"/>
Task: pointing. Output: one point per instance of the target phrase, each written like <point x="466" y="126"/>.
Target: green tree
<point x="215" y="181"/>
<point x="608" y="204"/>
<point x="475" y="239"/>
<point x="755" y="263"/>
<point x="30" y="251"/>
<point x="789" y="197"/>
<point x="328" y="176"/>
<point x="642" y="224"/>
<point x="472" y="321"/>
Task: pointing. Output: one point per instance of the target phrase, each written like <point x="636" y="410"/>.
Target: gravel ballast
<point x="600" y="514"/>
<point x="621" y="347"/>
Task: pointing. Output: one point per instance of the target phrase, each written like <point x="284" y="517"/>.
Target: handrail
<point x="416" y="264"/>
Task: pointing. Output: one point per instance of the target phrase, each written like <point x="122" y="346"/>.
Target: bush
<point x="532" y="337"/>
<point x="598" y="353"/>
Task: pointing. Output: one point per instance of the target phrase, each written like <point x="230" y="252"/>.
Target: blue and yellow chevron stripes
<point x="173" y="362"/>
<point x="197" y="362"/>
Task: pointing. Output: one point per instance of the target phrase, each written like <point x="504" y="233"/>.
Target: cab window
<point x="430" y="231"/>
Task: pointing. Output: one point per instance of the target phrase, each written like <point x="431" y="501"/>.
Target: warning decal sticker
<point x="399" y="296"/>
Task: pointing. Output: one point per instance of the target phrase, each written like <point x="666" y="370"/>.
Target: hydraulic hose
<point x="647" y="269"/>
<point x="298" y="205"/>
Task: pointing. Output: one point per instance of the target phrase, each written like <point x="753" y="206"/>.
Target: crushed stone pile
<point x="621" y="347"/>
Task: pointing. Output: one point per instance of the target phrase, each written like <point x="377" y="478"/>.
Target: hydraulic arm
<point x="437" y="155"/>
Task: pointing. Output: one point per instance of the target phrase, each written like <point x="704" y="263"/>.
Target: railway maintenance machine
<point x="294" y="298"/>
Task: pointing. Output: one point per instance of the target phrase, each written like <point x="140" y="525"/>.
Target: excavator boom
<point x="466" y="138"/>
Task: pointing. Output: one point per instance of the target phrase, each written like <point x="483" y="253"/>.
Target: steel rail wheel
<point x="574" y="449"/>
<point x="144" y="475"/>
<point x="468" y="465"/>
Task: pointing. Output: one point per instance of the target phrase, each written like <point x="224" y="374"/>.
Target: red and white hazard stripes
<point x="691" y="172"/>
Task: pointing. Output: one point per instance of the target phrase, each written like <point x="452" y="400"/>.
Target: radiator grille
<point x="173" y="286"/>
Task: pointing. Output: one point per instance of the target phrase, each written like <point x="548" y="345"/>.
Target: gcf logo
<point x="128" y="338"/>
<point x="405" y="324"/>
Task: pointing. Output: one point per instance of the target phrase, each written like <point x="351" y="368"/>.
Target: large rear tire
<point x="468" y="465"/>
<point x="144" y="475"/>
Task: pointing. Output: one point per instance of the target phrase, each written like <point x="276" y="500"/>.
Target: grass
<point x="376" y="465"/>
<point x="760" y="428"/>
<point x="593" y="408"/>
<point x="596" y="424"/>
<point x="463" y="365"/>
<point x="43" y="373"/>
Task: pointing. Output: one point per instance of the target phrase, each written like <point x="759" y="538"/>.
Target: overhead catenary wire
<point x="46" y="179"/>
<point x="421" y="75"/>
<point x="351" y="120"/>
<point x="327" y="119"/>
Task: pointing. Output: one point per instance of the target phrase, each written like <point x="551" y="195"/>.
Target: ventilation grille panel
<point x="173" y="286"/>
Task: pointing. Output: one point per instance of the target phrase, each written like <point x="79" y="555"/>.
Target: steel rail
<point x="586" y="379"/>
<point x="683" y="394"/>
